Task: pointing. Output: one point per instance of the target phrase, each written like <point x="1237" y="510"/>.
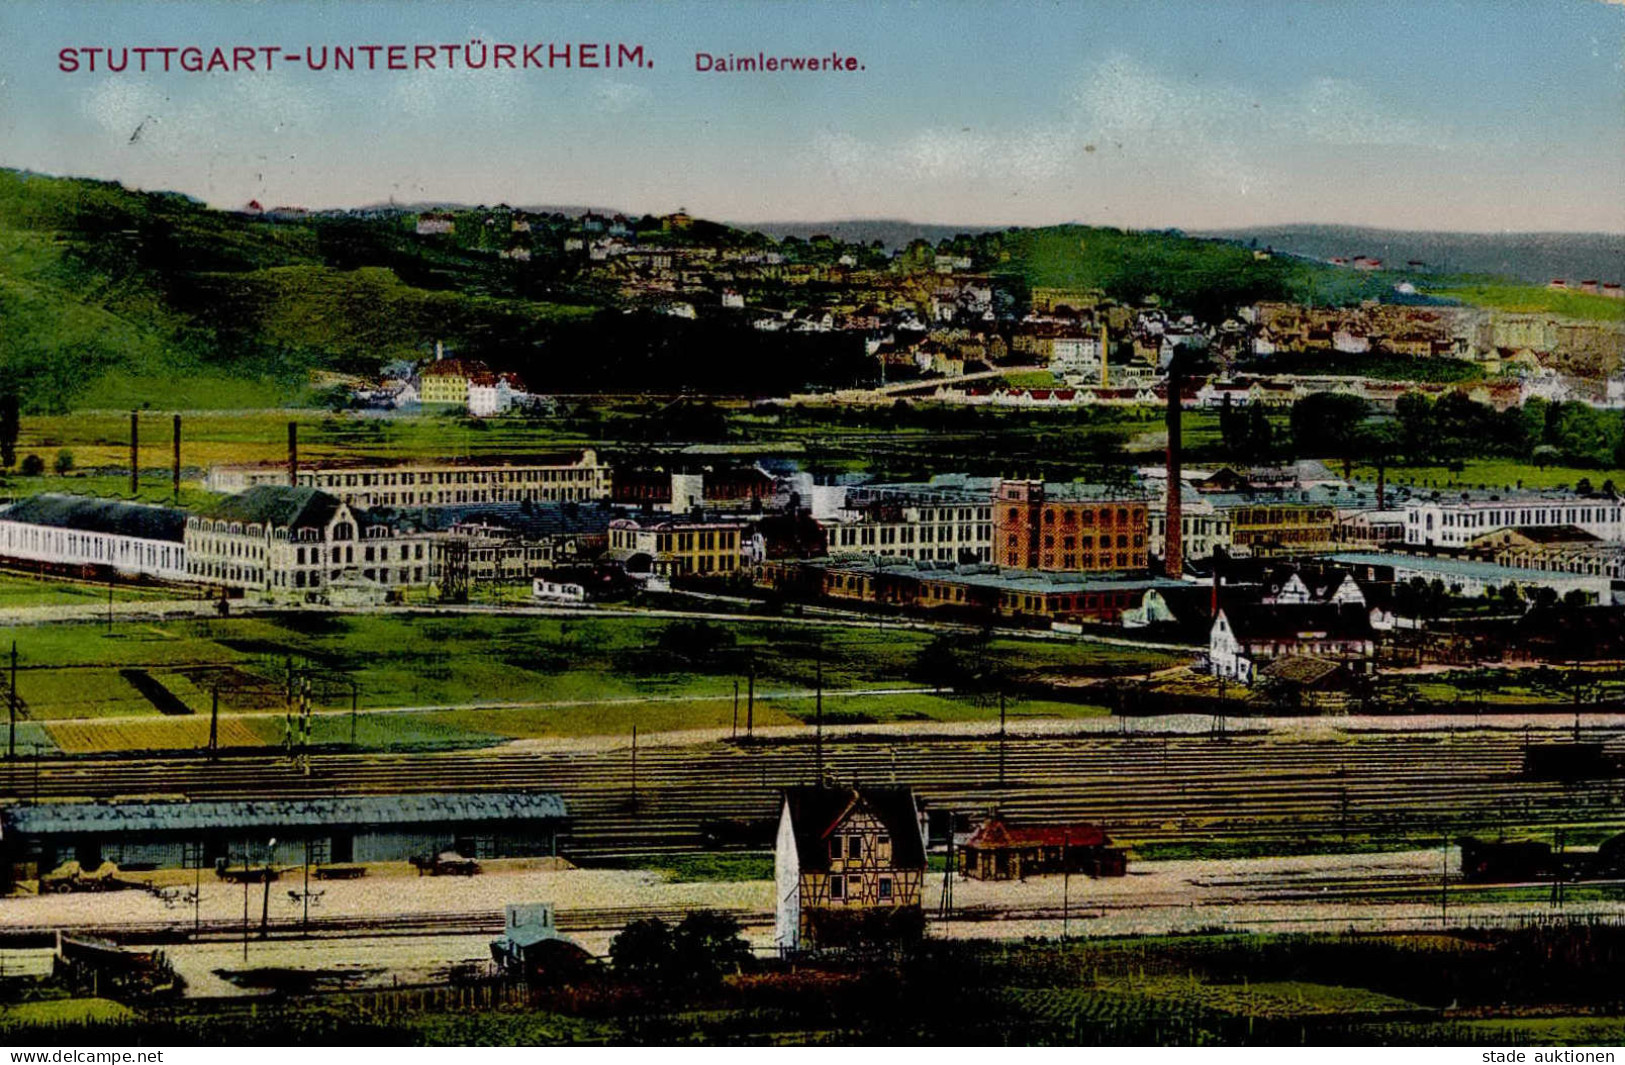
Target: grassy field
<point x="1510" y="296"/>
<point x="64" y="1012"/>
<point x="571" y="677"/>
<point x="21" y="590"/>
<point x="1489" y="474"/>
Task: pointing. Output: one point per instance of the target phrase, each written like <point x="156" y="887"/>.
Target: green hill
<point x="111" y="297"/>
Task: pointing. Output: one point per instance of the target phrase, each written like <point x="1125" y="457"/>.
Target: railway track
<point x="1144" y="790"/>
<point x="452" y="923"/>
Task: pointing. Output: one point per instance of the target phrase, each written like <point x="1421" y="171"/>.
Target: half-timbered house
<point x="848" y="868"/>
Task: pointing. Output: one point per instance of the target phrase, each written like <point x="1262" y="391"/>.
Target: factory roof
<point x="276" y="505"/>
<point x="987" y="575"/>
<point x="66" y="818"/>
<point x="109" y="516"/>
<point x="1458" y="567"/>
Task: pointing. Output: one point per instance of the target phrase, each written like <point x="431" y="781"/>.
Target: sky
<point x="1481" y="115"/>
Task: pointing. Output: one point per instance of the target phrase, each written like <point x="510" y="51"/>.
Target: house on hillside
<point x="848" y="867"/>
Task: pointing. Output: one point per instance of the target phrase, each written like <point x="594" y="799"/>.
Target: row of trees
<point x="1422" y="431"/>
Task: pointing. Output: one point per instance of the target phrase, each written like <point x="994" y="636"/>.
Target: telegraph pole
<point x="750" y="701"/>
<point x="736" y="708"/>
<point x="634" y="769"/>
<point x="1066" y="885"/>
<point x="214" y="723"/>
<point x="818" y="712"/>
<point x="1001" y="739"/>
<point x="11" y="735"/>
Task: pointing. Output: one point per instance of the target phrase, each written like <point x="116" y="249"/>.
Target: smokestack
<point x="1104" y="357"/>
<point x="293" y="454"/>
<point x="135" y="452"/>
<point x="1173" y="550"/>
<point x="176" y="463"/>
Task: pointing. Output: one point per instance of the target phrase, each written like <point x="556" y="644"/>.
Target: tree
<point x="642" y="951"/>
<point x="707" y="946"/>
<point x="1327" y="425"/>
<point x="697" y="954"/>
<point x="10" y="424"/>
<point x="1260" y="445"/>
<point x="64" y="462"/>
<point x="33" y="465"/>
<point x="1545" y="455"/>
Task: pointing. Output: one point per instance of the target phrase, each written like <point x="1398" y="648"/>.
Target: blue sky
<point x="1478" y="115"/>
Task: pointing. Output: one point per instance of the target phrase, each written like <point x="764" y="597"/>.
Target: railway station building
<point x="37" y="837"/>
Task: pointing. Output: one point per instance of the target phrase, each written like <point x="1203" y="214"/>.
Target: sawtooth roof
<point x="109" y="516"/>
<point x="64" y="818"/>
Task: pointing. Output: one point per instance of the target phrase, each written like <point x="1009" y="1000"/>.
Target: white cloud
<point x="619" y="97"/>
<point x="1130" y="137"/>
<point x="1341" y="112"/>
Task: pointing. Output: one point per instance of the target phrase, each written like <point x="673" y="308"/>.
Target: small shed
<point x="1001" y="851"/>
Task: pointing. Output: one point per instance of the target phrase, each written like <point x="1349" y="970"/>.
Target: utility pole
<point x="634" y="769"/>
<point x="354" y="696"/>
<point x="1066" y="885"/>
<point x="265" y="904"/>
<point x="1001" y="739"/>
<point x="736" y="709"/>
<point x="214" y="723"/>
<point x="135" y="453"/>
<point x="818" y="713"/>
<point x="11" y="735"/>
<point x="750" y="701"/>
<point x="1444" y="880"/>
<point x="246" y="876"/>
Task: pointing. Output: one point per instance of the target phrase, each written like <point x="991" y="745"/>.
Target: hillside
<point x="112" y="297"/>
<point x="1530" y="257"/>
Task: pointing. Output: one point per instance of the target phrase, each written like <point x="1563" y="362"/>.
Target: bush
<point x="64" y="462"/>
<point x="706" y="946"/>
<point x="33" y="466"/>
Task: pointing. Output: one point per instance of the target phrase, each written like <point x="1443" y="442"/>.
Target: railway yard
<point x="1366" y="787"/>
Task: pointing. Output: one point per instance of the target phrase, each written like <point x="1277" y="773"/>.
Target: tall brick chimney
<point x="175" y="480"/>
<point x="293" y="454"/>
<point x="1173" y="550"/>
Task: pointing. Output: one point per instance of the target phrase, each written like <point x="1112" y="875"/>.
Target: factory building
<point x="81" y="534"/>
<point x="36" y="838"/>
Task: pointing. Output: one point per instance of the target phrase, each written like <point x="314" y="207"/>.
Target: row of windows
<point x="842" y="888"/>
<point x="1088" y="542"/>
<point x="850" y="847"/>
<point x="541" y="475"/>
<point x="886" y="535"/>
<point x="1086" y="515"/>
<point x="56" y="545"/>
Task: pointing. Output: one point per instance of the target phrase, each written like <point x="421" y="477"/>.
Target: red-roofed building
<point x="1000" y="851"/>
